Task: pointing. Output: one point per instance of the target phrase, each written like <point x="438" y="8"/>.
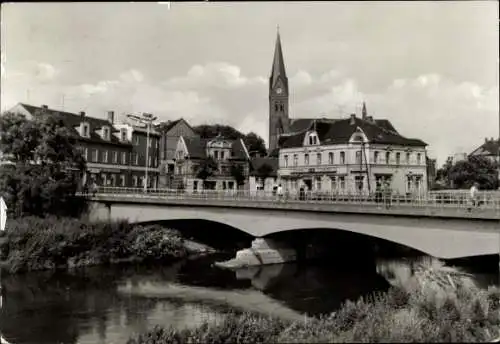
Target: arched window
<point x="281" y="107"/>
<point x="330" y="158"/>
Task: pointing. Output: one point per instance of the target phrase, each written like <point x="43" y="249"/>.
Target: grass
<point x="32" y="243"/>
<point x="429" y="309"/>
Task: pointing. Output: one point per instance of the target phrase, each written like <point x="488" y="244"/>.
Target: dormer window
<point x="123" y="134"/>
<point x="84" y="129"/>
<point x="313" y="139"/>
<point x="105" y="133"/>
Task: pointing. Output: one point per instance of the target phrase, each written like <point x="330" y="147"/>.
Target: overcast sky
<point x="429" y="67"/>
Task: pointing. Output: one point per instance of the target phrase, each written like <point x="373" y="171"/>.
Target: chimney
<point x="111" y="117"/>
<point x="45" y="107"/>
<point x="369" y="119"/>
<point x="485" y="140"/>
<point x="353" y="119"/>
<point x="82" y="114"/>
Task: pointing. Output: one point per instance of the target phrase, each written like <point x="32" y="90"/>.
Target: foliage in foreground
<point x="423" y="314"/>
<point x="45" y="166"/>
<point x="33" y="243"/>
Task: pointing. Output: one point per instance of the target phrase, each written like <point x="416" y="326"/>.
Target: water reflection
<point x="108" y="305"/>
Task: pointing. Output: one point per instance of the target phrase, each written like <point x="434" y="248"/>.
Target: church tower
<point x="278" y="97"/>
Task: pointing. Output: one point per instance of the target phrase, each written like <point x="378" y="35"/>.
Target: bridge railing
<point x="440" y="200"/>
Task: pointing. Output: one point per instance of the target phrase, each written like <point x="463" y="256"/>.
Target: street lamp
<point x="145" y="118"/>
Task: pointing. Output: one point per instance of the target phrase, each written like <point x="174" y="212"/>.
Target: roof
<point x="301" y="124"/>
<point x="489" y="147"/>
<point x="278" y="68"/>
<point x="340" y="131"/>
<point x="168" y="125"/>
<point x="196" y="147"/>
<point x="257" y="163"/>
<point x="73" y="120"/>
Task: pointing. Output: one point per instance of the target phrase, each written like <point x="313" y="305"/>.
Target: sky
<point x="429" y="67"/>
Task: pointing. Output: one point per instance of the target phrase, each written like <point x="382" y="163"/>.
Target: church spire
<point x="278" y="69"/>
<point x="363" y="112"/>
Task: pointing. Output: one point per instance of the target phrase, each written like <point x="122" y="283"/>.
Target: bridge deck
<point x="397" y="207"/>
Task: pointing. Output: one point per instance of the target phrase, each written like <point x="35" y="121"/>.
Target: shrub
<point x="33" y="243"/>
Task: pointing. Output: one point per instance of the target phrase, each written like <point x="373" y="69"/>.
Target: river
<point x="109" y="304"/>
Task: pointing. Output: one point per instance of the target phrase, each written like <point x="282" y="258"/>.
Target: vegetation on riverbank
<point x="427" y="310"/>
<point x="32" y="243"/>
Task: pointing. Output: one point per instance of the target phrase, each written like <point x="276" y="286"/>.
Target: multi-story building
<point x="145" y="149"/>
<point x="351" y="156"/>
<point x="263" y="174"/>
<point x="115" y="153"/>
<point x="170" y="132"/>
<point x="224" y="155"/>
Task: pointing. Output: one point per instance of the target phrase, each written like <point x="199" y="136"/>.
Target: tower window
<point x="281" y="107"/>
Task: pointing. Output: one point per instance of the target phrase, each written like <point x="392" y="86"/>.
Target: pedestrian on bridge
<point x="279" y="191"/>
<point x="473" y="196"/>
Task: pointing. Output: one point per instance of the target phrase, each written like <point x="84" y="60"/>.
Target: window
<point x="375" y="157"/>
<point x="398" y="158"/>
<point x="134" y="181"/>
<point x="222" y="155"/>
<point x="311" y="139"/>
<point x="407" y="158"/>
<point x="408" y="184"/>
<point x="122" y="180"/>
<point x="136" y="158"/>
<point x="318" y="159"/>
<point x="342" y="183"/>
<point x="306" y="159"/>
<point x="85" y="129"/>
<point x="115" y="157"/>
<point x="95" y="153"/>
<point x="216" y="155"/>
<point x="150" y="142"/>
<point x="105" y="133"/>
<point x="418" y="158"/>
<point x="418" y="183"/>
<point x="318" y="183"/>
<point x="295" y="160"/>
<point x="330" y="158"/>
<point x="275" y="107"/>
<point x="333" y="183"/>
<point x="136" y="140"/>
<point x="149" y="161"/>
<point x="358" y="157"/>
<point x="281" y="107"/>
<point x="286" y="160"/>
<point x="358" y="181"/>
<point x="105" y="156"/>
<point x="387" y="157"/>
<point x="123" y="134"/>
<point x="124" y="158"/>
<point x="86" y="153"/>
<point x="104" y="179"/>
<point x="342" y="157"/>
<point x="113" y="180"/>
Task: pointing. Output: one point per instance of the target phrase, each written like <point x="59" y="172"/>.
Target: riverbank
<point x="436" y="306"/>
<point x="31" y="243"/>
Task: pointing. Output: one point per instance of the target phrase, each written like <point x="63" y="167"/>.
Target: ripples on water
<point x="108" y="305"/>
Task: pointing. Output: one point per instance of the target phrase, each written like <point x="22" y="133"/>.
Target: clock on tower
<point x="279" y="90"/>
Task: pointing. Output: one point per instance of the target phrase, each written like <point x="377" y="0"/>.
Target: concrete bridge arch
<point x="439" y="237"/>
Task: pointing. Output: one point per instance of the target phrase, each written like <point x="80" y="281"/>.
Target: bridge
<point x="442" y="225"/>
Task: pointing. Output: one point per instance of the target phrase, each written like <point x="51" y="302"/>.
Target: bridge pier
<point x="263" y="251"/>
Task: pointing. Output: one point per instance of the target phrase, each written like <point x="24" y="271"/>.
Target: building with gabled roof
<point x="115" y="153"/>
<point x="170" y="132"/>
<point x="489" y="149"/>
<point x="193" y="152"/>
<point x="352" y="156"/>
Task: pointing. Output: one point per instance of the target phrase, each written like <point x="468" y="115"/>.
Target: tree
<point x="47" y="166"/>
<point x="265" y="171"/>
<point x="206" y="169"/>
<point x="475" y="169"/>
<point x="238" y="174"/>
<point x="255" y="143"/>
<point x="252" y="141"/>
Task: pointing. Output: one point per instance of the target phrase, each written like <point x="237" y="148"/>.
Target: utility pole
<point x="145" y="118"/>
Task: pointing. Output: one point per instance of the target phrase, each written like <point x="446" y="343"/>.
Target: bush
<point x="397" y="316"/>
<point x="33" y="243"/>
